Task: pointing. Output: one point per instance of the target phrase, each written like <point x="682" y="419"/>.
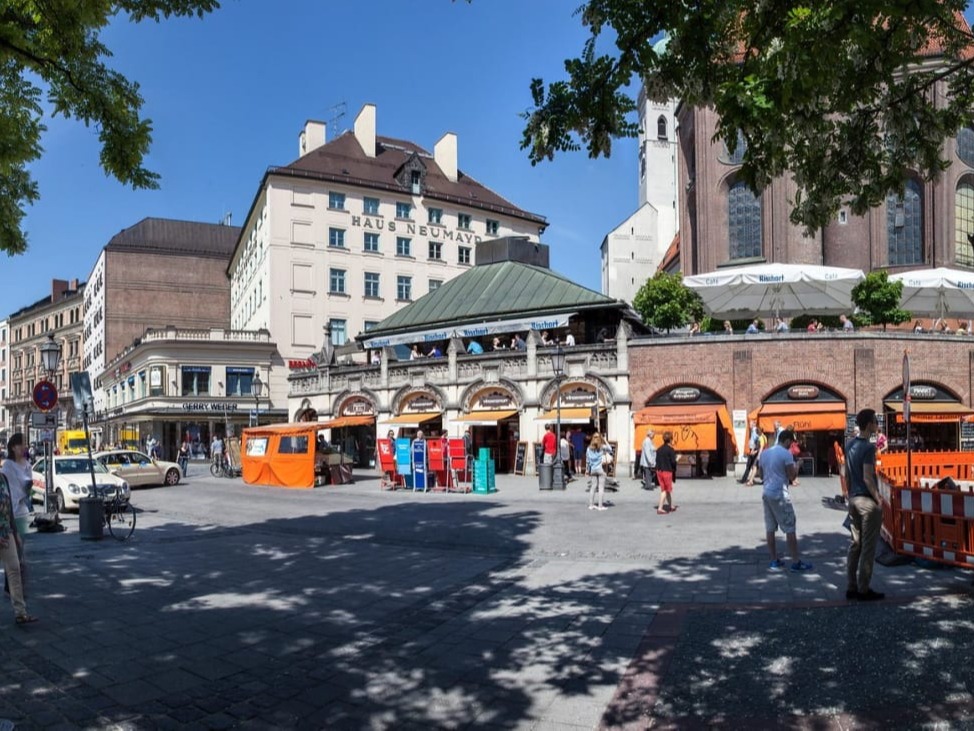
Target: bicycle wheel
<point x="120" y="519"/>
<point x="216" y="469"/>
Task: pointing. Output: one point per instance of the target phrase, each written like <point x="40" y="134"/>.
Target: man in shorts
<point x="779" y="469"/>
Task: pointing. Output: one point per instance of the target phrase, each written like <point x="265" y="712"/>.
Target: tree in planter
<point x="55" y="44"/>
<point x="665" y="302"/>
<point x="878" y="300"/>
<point x="898" y="82"/>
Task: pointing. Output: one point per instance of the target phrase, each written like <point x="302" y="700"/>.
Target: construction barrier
<point x="921" y="519"/>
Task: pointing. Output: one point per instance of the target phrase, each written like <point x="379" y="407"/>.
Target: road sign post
<point x="906" y="418"/>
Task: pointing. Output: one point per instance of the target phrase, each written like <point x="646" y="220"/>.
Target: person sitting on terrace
<point x="498" y="345"/>
<point x="545" y="340"/>
<point x="570" y="340"/>
<point x="414" y="353"/>
<point x="694" y="328"/>
<point x="812" y="325"/>
<point x="435" y="352"/>
<point x="917" y="326"/>
<point x="963" y="328"/>
<point x="942" y="327"/>
<point x="847" y="325"/>
<point x="753" y="328"/>
<point x="728" y="328"/>
<point x="517" y="343"/>
<point x="781" y="326"/>
<point x="475" y="348"/>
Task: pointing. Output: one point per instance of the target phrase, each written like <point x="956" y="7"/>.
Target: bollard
<point x="91" y="518"/>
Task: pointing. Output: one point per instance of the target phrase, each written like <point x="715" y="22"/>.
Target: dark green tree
<point x="878" y="300"/>
<point x="50" y="49"/>
<point x="837" y="95"/>
<point x="665" y="302"/>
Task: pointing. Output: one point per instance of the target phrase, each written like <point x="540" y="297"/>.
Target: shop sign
<point x="155" y="377"/>
<point x="685" y="394"/>
<point x="421" y="403"/>
<point x="803" y="393"/>
<point x="357" y="407"/>
<point x="923" y="392"/>
<point x="496" y="400"/>
<point x="209" y="406"/>
<point x="578" y="397"/>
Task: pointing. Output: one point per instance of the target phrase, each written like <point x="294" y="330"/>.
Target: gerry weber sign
<point x="432" y="231"/>
<point x="209" y="406"/>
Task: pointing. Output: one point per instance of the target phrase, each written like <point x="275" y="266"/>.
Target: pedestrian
<point x="183" y="457"/>
<point x="762" y="445"/>
<point x="565" y="449"/>
<point x="468" y="443"/>
<point x="549" y="444"/>
<point x="9" y="555"/>
<point x="647" y="460"/>
<point x="753" y="450"/>
<point x="779" y="469"/>
<point x="882" y="443"/>
<point x="595" y="459"/>
<point x="665" y="469"/>
<point x="578" y="449"/>
<point x="865" y="512"/>
<point x="216" y="450"/>
<point x="20" y="480"/>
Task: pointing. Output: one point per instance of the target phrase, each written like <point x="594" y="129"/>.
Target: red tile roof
<point x="344" y="161"/>
<point x="672" y="255"/>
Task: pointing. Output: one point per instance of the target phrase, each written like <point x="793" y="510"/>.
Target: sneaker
<point x="591" y="507"/>
<point x="851" y="594"/>
<point x="801" y="566"/>
<point x="871" y="596"/>
<point x="776" y="564"/>
<point x="601" y="507"/>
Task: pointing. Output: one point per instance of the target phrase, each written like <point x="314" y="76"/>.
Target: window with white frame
<point x="435" y="284"/>
<point x="372" y="284"/>
<point x="336" y="201"/>
<point x="403" y="246"/>
<point x="239" y="380"/>
<point x="463" y="255"/>
<point x="336" y="281"/>
<point x="404" y="210"/>
<point x="493" y="227"/>
<point x="372" y="242"/>
<point x="404" y="288"/>
<point x="336" y="238"/>
<point x="435" y="250"/>
<point x="339" y="331"/>
<point x="435" y="215"/>
<point x="195" y="380"/>
<point x="463" y="221"/>
<point x="370" y="206"/>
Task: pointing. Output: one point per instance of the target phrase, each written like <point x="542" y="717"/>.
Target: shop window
<point x="239" y="380"/>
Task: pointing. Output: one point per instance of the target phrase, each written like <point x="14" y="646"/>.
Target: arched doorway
<point x="817" y="415"/>
<point x="491" y="414"/>
<point x="938" y="419"/>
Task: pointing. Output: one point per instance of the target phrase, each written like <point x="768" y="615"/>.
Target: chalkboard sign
<point x="967" y="436"/>
<point x="538" y="456"/>
<point x="519" y="454"/>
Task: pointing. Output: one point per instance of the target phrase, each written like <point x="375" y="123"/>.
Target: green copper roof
<point x="493" y="291"/>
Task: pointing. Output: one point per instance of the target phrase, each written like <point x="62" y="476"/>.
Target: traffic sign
<point x="45" y="395"/>
<point x="45" y="419"/>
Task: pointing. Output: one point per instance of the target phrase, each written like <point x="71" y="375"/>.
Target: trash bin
<point x="545" y="476"/>
<point x="91" y="518"/>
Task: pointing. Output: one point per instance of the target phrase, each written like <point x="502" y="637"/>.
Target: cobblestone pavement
<point x="350" y="607"/>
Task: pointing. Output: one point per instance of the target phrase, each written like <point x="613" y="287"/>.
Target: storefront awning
<point x="574" y="415"/>
<point x="803" y="416"/>
<point x="485" y="418"/>
<point x="694" y="426"/>
<point x="343" y="421"/>
<point x="930" y="411"/>
<point x="414" y="420"/>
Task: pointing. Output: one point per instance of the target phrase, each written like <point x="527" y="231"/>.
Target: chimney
<point x="58" y="288"/>
<point x="311" y="138"/>
<point x="445" y="154"/>
<point x="365" y="129"/>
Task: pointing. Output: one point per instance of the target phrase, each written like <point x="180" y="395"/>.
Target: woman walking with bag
<point x="595" y="463"/>
<point x="20" y="483"/>
<point x="10" y="557"/>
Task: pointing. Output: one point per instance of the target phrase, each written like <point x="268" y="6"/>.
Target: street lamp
<point x="50" y="360"/>
<point x="558" y="366"/>
<point x="256" y="389"/>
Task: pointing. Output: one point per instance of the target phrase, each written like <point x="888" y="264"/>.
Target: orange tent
<point x="280" y="455"/>
<point x="694" y="426"/>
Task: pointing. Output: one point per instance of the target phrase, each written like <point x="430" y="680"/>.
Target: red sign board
<point x="45" y="395"/>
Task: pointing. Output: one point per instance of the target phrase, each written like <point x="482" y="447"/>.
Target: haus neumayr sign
<point x="403" y="227"/>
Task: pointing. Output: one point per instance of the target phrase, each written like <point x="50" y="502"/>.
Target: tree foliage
<point x="665" y="302"/>
<point x="50" y="51"/>
<point x="878" y="299"/>
<point x="817" y="90"/>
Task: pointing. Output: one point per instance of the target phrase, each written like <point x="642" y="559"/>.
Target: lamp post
<point x="50" y="360"/>
<point x="558" y="471"/>
<point x="256" y="388"/>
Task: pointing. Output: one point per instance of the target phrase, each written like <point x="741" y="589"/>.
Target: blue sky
<point x="229" y="94"/>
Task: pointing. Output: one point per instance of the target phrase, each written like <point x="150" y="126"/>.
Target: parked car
<point x="138" y="469"/>
<point x="72" y="481"/>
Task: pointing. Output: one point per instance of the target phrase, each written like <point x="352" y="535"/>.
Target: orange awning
<point x="485" y="418"/>
<point x="803" y="416"/>
<point x="574" y="415"/>
<point x="346" y="421"/>
<point x="694" y="426"/>
<point x="928" y="412"/>
<point x="414" y="419"/>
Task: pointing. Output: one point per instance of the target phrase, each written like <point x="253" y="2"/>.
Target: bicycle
<point x="221" y="467"/>
<point x="120" y="515"/>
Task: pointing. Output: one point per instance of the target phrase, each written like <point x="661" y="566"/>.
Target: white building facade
<point x="355" y="229"/>
<point x="4" y="368"/>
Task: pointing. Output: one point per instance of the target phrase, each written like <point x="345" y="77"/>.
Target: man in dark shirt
<point x="864" y="508"/>
<point x="665" y="469"/>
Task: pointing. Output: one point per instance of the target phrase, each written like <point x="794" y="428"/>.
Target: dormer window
<point x="416" y="182"/>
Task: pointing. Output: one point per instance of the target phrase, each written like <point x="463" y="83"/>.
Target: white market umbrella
<point x="937" y="292"/>
<point x="776" y="289"/>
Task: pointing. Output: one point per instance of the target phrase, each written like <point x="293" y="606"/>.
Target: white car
<point x="72" y="481"/>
